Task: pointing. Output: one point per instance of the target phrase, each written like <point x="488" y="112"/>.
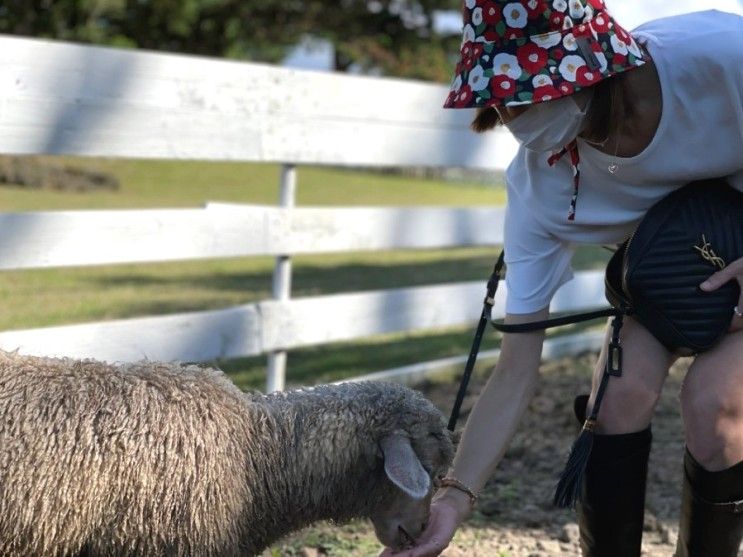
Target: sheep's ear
<point x="403" y="467"/>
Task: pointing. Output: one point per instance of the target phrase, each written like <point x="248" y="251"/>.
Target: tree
<point x="393" y="36"/>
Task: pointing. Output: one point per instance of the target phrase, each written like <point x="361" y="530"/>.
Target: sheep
<point x="159" y="458"/>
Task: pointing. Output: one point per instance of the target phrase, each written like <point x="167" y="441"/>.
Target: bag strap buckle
<point x="614" y="356"/>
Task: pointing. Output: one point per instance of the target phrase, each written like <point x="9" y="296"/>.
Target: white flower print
<point x="588" y="12"/>
<point x="576" y="9"/>
<point x="477" y="16"/>
<point x="547" y="40"/>
<point x="541" y="80"/>
<point x="506" y="64"/>
<point x="602" y="61"/>
<point x="477" y="80"/>
<point x="634" y="49"/>
<point x="515" y="15"/>
<point x="569" y="65"/>
<point x="568" y="41"/>
<point x="567" y="23"/>
<point x="470" y="3"/>
<point x="559" y="5"/>
<point x="468" y="34"/>
<point x="618" y="46"/>
<point x="457" y="84"/>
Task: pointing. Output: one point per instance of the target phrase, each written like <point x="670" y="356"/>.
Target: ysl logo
<point x="709" y="254"/>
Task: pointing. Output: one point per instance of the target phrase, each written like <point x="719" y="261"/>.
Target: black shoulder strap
<point x="486" y="316"/>
<point x="554" y="322"/>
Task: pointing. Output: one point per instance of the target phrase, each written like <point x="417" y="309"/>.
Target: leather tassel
<point x="568" y="487"/>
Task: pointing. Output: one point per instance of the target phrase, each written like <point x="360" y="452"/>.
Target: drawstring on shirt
<point x="571" y="148"/>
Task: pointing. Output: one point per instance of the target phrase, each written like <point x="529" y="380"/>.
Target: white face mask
<point x="549" y="126"/>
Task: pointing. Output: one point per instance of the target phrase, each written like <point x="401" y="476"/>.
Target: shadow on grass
<point x="315" y="278"/>
<point x="312" y="277"/>
<point x="334" y="362"/>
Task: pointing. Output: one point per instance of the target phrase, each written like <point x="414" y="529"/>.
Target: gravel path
<point x="516" y="509"/>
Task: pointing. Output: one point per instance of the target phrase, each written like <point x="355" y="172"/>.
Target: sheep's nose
<point x="406" y="540"/>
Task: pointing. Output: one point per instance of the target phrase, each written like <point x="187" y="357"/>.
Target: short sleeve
<point x="537" y="262"/>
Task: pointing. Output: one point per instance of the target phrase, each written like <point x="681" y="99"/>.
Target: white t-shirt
<point x="699" y="59"/>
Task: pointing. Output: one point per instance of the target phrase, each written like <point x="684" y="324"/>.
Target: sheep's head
<point x="414" y="456"/>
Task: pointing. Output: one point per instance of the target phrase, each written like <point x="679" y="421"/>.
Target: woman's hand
<point x="448" y="511"/>
<point x="734" y="271"/>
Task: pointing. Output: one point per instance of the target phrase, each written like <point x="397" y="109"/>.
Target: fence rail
<point x="75" y="238"/>
<point x="59" y="98"/>
<point x="274" y="325"/>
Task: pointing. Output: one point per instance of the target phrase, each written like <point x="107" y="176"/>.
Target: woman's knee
<point x="630" y="400"/>
<point x="713" y="419"/>
<point x="628" y="405"/>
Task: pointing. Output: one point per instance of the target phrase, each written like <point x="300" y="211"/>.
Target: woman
<point x="609" y="123"/>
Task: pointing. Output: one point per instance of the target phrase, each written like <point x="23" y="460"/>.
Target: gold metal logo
<point x="709" y="254"/>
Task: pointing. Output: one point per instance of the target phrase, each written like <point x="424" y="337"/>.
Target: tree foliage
<point x="393" y="36"/>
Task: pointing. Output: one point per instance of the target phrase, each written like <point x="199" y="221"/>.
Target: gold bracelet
<point x="456" y="484"/>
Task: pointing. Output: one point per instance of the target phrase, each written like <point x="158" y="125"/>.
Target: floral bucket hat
<point x="529" y="51"/>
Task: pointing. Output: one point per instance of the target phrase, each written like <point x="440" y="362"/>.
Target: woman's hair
<point x="609" y="109"/>
<point x="486" y="119"/>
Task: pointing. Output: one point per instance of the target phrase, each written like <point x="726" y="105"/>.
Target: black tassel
<point x="568" y="487"/>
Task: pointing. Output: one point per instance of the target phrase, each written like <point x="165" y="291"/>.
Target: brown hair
<point x="609" y="109"/>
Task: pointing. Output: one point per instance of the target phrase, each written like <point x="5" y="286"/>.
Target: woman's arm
<point x="485" y="438"/>
<point x="495" y="417"/>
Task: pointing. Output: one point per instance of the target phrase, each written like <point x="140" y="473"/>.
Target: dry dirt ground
<point x="515" y="516"/>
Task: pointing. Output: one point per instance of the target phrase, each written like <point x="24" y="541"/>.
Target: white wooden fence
<point x="59" y="98"/>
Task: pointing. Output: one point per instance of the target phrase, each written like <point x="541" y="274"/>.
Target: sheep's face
<point x="399" y="523"/>
<point x="401" y="517"/>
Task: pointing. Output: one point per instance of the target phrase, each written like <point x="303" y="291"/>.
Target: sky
<point x="318" y="55"/>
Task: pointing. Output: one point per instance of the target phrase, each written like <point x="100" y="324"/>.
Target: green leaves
<point x="394" y="36"/>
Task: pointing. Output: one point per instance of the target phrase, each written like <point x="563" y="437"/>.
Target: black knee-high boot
<point x="711" y="511"/>
<point x="611" y="508"/>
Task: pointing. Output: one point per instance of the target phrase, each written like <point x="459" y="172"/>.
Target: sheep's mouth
<point x="405" y="538"/>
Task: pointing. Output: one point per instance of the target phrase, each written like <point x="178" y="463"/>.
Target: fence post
<point x="282" y="281"/>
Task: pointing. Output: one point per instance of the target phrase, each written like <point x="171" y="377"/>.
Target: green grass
<point x="192" y="183"/>
<point x="45" y="297"/>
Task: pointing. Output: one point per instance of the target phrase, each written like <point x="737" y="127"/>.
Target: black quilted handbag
<point x="681" y="241"/>
<point x="654" y="276"/>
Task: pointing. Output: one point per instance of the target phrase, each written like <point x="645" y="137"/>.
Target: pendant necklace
<point x="613" y="165"/>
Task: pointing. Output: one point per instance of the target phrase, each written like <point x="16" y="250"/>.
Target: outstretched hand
<point x="734" y="271"/>
<point x="442" y="524"/>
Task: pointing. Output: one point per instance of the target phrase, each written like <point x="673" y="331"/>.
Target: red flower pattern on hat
<point x="502" y="86"/>
<point x="512" y="34"/>
<point x="585" y="77"/>
<point x="508" y="43"/>
<point x="601" y="23"/>
<point x="557" y="19"/>
<point x="535" y="8"/>
<point x="566" y="88"/>
<point x="532" y="58"/>
<point x="546" y="93"/>
<point x="463" y="96"/>
<point x="491" y="13"/>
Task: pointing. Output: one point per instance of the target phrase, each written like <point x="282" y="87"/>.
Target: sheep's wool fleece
<point x="154" y="458"/>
